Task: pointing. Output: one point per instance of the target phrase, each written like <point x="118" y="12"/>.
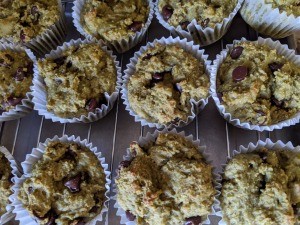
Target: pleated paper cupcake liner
<point x="40" y="93"/>
<point x="282" y="50"/>
<point x="48" y="40"/>
<point x="196" y="105"/>
<point x="15" y="170"/>
<point x="120" y="46"/>
<point x="268" y="20"/>
<point x="26" y="107"/>
<point x="269" y="144"/>
<point x="22" y="214"/>
<point x="150" y="138"/>
<point x="195" y="32"/>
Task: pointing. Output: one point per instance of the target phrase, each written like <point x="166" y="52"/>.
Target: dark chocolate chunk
<point x="157" y="77"/>
<point x="20" y="74"/>
<point x="236" y="52"/>
<point x="70" y="155"/>
<point x="276" y="102"/>
<point x="239" y="73"/>
<point x="167" y="12"/>
<point x="124" y="164"/>
<point x="184" y="25"/>
<point x="263" y="156"/>
<point x="73" y="184"/>
<point x="275" y="66"/>
<point x="52" y="217"/>
<point x="60" y="61"/>
<point x="262" y="184"/>
<point x="30" y="190"/>
<point x="13" y="101"/>
<point x="22" y="36"/>
<point x="130" y="216"/>
<point x="69" y="64"/>
<point x="205" y="23"/>
<point x="91" y="105"/>
<point x="195" y="220"/>
<point x="135" y="26"/>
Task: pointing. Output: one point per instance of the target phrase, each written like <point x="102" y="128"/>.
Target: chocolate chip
<point x="86" y="177"/>
<point x="22" y="36"/>
<point x="34" y="10"/>
<point x="263" y="156"/>
<point x="148" y="56"/>
<point x="73" y="184"/>
<point x="52" y="217"/>
<point x="275" y="66"/>
<point x="91" y="105"/>
<point x="20" y="74"/>
<point x="69" y="64"/>
<point x="262" y="184"/>
<point x="220" y="96"/>
<point x="195" y="220"/>
<point x="239" y="73"/>
<point x="177" y="87"/>
<point x="184" y="25"/>
<point x="60" y="61"/>
<point x="94" y="209"/>
<point x="236" y="52"/>
<point x="130" y="216"/>
<point x="276" y="102"/>
<point x="167" y="12"/>
<point x="30" y="190"/>
<point x="9" y="57"/>
<point x="157" y="77"/>
<point x="13" y="101"/>
<point x="135" y="26"/>
<point x="124" y="164"/>
<point x="205" y="23"/>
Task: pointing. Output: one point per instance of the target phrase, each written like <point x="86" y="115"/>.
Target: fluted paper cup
<point x="40" y="93"/>
<point x="22" y="214"/>
<point x="281" y="50"/>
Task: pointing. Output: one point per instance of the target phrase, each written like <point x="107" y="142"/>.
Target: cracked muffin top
<point x="166" y="78"/>
<point x="259" y="86"/>
<point x="66" y="186"/>
<point x="114" y="20"/>
<point x="26" y="19"/>
<point x="262" y="187"/>
<point x="207" y="13"/>
<point x="16" y="73"/>
<point x="5" y="183"/>
<point x="289" y="6"/>
<point x="77" y="81"/>
<point x="167" y="182"/>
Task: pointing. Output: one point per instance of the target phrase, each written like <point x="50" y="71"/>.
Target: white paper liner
<point x="26" y="107"/>
<point x="16" y="173"/>
<point x="195" y="32"/>
<point x="268" y="20"/>
<point x="150" y="138"/>
<point x="120" y="46"/>
<point x="281" y="50"/>
<point x="40" y="93"/>
<point x="196" y="105"/>
<point x="48" y="40"/>
<point x="269" y="144"/>
<point x="37" y="153"/>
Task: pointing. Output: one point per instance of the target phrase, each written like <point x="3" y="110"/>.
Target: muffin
<point x="78" y="80"/>
<point x="5" y="183"/>
<point x="65" y="186"/>
<point x="121" y="24"/>
<point x="166" y="83"/>
<point x="166" y="182"/>
<point x="16" y="71"/>
<point x="257" y="85"/>
<point x="262" y="187"/>
<point x="275" y="18"/>
<point x="206" y="13"/>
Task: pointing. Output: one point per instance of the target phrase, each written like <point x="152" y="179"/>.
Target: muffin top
<point x="26" y="19"/>
<point x="114" y="20"/>
<point x="166" y="78"/>
<point x="289" y="6"/>
<point x="167" y="182"/>
<point x="207" y="13"/>
<point x="77" y="80"/>
<point x="66" y="186"/>
<point x="262" y="188"/>
<point x="259" y="86"/>
<point x="5" y="183"/>
<point x="16" y="73"/>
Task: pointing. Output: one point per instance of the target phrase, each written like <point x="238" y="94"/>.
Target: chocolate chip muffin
<point x="166" y="78"/>
<point x="5" y="183"/>
<point x="16" y="73"/>
<point x="114" y="20"/>
<point x="262" y="187"/>
<point x="66" y="186"/>
<point x="26" y="19"/>
<point x="258" y="86"/>
<point x="77" y="81"/>
<point x="289" y="6"/>
<point x="207" y="13"/>
<point x="167" y="182"/>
